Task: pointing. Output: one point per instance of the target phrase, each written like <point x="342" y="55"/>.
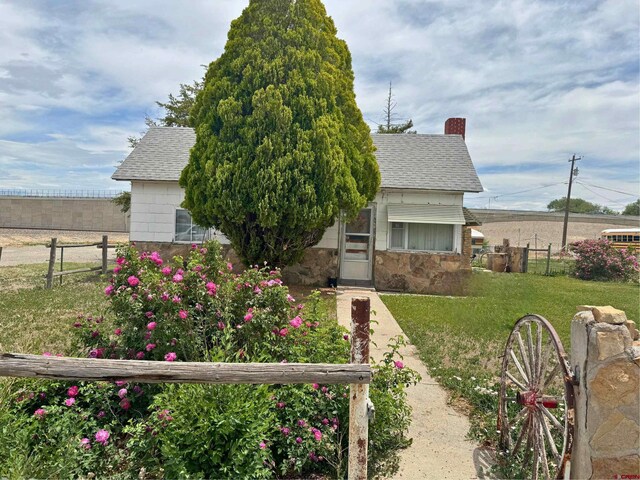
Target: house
<point x="413" y="237"/>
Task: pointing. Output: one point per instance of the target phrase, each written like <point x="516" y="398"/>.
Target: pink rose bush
<point x="198" y="309"/>
<point x="598" y="260"/>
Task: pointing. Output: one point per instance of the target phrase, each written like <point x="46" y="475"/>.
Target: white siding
<point x="331" y="237"/>
<point x="384" y="198"/>
<point x="153" y="211"/>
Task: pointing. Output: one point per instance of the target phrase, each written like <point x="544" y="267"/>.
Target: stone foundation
<point x="315" y="269"/>
<point x="607" y="424"/>
<point x="418" y="272"/>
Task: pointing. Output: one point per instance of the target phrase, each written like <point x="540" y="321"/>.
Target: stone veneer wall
<point x="316" y="267"/>
<point x="412" y="272"/>
<point x="418" y="272"/>
<point x="607" y="424"/>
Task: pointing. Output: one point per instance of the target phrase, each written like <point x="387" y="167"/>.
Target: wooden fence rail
<point x="357" y="374"/>
<point x="141" y="371"/>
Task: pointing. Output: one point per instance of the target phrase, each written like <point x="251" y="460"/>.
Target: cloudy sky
<point x="537" y="80"/>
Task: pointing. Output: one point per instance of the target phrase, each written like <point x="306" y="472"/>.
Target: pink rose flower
<point x="166" y="271"/>
<point x="170" y="357"/>
<point x="69" y="401"/>
<point x="102" y="436"/>
<point x="150" y="346"/>
<point x="86" y="443"/>
<point x="177" y="278"/>
<point x="140" y="355"/>
<point x="317" y="434"/>
<point x="315" y="386"/>
<point x="40" y="413"/>
<point x="117" y="269"/>
<point x="109" y="290"/>
<point x="183" y="314"/>
<point x="118" y="331"/>
<point x="122" y="392"/>
<point x="249" y="316"/>
<point x="296" y="322"/>
<point x="290" y="298"/>
<point x="125" y="404"/>
<point x="151" y="325"/>
<point x="283" y="332"/>
<point x="133" y="280"/>
<point x="263" y="445"/>
<point x="73" y="391"/>
<point x="120" y="260"/>
<point x="399" y="365"/>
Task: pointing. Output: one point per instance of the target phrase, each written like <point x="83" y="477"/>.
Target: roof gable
<point x="406" y="161"/>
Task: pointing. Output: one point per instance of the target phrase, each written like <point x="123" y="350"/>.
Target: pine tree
<point x="281" y="145"/>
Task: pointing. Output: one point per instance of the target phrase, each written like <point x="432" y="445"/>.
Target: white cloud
<point x="536" y="80"/>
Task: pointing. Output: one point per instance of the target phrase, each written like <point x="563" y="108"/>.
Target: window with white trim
<point x="422" y="237"/>
<point x="186" y="229"/>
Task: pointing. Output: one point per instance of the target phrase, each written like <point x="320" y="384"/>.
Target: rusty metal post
<point x="105" y="246"/>
<point x="359" y="394"/>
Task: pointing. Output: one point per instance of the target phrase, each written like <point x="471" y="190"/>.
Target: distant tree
<point x="281" y="146"/>
<point x="632" y="209"/>
<point x="389" y="117"/>
<point x="578" y="205"/>
<point x="177" y="110"/>
<point x="123" y="200"/>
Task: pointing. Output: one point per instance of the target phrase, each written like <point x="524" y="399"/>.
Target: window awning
<point x="442" y="214"/>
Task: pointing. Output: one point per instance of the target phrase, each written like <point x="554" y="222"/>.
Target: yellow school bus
<point x="620" y="238"/>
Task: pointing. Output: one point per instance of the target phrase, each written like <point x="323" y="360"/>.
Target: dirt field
<point x="10" y="237"/>
<point x="521" y="233"/>
<point x="21" y="247"/>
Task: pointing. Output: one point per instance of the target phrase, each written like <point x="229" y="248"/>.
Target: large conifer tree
<point x="281" y="145"/>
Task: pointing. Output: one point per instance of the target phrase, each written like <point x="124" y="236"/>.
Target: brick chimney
<point x="455" y="126"/>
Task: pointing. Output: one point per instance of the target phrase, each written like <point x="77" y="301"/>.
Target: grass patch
<point x="33" y="319"/>
<point x="461" y="340"/>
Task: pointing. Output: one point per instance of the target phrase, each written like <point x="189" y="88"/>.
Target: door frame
<point x="371" y="252"/>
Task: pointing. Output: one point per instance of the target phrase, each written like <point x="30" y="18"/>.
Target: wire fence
<point x="48" y="193"/>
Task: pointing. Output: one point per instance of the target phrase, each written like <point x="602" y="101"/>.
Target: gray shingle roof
<point x="421" y="162"/>
<point x="426" y="162"/>
<point x="160" y="155"/>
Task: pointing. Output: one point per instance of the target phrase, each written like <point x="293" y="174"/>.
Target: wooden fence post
<point x="105" y="242"/>
<point x="52" y="262"/>
<point x="0" y="253"/>
<point x="548" y="260"/>
<point x="359" y="394"/>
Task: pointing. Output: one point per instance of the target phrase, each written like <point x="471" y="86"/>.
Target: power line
<point x="518" y="193"/>
<point x="611" y="190"/>
<point x="614" y="202"/>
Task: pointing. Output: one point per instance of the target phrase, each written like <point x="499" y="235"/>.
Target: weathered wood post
<point x="105" y="242"/>
<point x="0" y="253"/>
<point x="52" y="262"/>
<point x="61" y="262"/>
<point x="548" y="260"/>
<point x="359" y="393"/>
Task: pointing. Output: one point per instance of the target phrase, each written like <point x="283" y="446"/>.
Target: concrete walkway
<point x="440" y="449"/>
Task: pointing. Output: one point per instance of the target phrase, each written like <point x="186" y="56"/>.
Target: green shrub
<point x="197" y="309"/>
<point x="599" y="260"/>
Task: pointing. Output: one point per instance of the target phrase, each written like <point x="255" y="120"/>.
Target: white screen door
<point x="357" y="247"/>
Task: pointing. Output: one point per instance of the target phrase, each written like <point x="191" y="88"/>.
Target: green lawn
<point x="35" y="320"/>
<point x="461" y="339"/>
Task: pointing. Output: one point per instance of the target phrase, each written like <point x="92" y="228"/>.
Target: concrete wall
<point x="607" y="422"/>
<point x="496" y="216"/>
<point x="54" y="213"/>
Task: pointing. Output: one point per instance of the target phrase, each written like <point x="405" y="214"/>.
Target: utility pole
<point x="573" y="173"/>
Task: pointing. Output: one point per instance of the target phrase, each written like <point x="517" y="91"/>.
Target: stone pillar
<point x="607" y="423"/>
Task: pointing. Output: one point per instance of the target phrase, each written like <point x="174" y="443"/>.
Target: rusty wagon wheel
<point x="536" y="404"/>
